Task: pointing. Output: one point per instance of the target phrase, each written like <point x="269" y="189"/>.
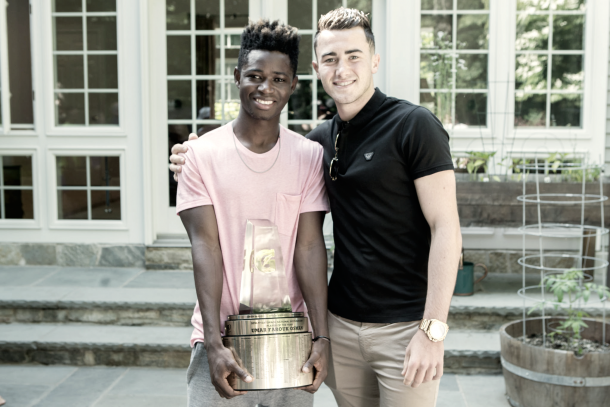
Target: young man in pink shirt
<point x="253" y="168"/>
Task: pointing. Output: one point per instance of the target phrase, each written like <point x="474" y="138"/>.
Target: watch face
<point x="437" y="330"/>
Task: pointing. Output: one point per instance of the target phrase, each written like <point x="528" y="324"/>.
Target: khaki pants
<point x="366" y="362"/>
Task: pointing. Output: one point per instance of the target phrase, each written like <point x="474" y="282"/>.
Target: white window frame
<point x="52" y="129"/>
<point x="36" y="191"/>
<point x="403" y="21"/>
<point x="85" y="224"/>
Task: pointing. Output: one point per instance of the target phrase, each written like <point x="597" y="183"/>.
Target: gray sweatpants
<point x="201" y="392"/>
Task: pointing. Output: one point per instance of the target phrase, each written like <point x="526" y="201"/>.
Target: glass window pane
<point x="232" y="103"/>
<point x="236" y="13"/>
<point x="71" y="171"/>
<point x="105" y="171"/>
<point x="101" y="34"/>
<point x="305" y="55"/>
<point x="17" y="170"/>
<point x="436" y="31"/>
<point x="299" y="104"/>
<point x="209" y="103"/>
<point x="532" y="32"/>
<point x="70" y="108"/>
<point x="207" y="14"/>
<point x="179" y="100"/>
<point x="72" y="205"/>
<point x="101" y="5"/>
<point x="179" y="55"/>
<point x="302" y="129"/>
<point x="473" y="5"/>
<point x="106" y="205"/>
<point x="176" y="133"/>
<point x="18" y="204"/>
<point x="439" y="104"/>
<point x="206" y="128"/>
<point x="570" y="5"/>
<point x="568" y="32"/>
<point x="566" y="110"/>
<point x="435" y="71"/>
<point x="366" y="6"/>
<point x="324" y="6"/>
<point x="532" y="5"/>
<point x="20" y="62"/>
<point x="471" y="109"/>
<point x="231" y="54"/>
<point x="178" y="14"/>
<point x="531" y="72"/>
<point x="103" y="108"/>
<point x="299" y="14"/>
<point x="326" y="105"/>
<point x="437" y="4"/>
<point x="472" y="31"/>
<point x="69" y="72"/>
<point x="530" y="110"/>
<point x="103" y="72"/>
<point x="68" y="33"/>
<point x="67" y="6"/>
<point x="207" y="48"/>
<point x="471" y="71"/>
<point x="567" y="72"/>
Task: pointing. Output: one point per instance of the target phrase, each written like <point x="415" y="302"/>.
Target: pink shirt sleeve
<point x="191" y="188"/>
<point x="314" y="196"/>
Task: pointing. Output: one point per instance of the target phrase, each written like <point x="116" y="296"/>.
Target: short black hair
<point x="270" y="36"/>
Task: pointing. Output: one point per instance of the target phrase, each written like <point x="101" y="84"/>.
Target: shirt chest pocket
<point x="287" y="213"/>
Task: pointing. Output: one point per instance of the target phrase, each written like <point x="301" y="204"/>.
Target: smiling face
<point x="265" y="84"/>
<point x="346" y="64"/>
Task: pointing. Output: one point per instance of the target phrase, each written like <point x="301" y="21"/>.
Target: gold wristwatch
<point x="435" y="329"/>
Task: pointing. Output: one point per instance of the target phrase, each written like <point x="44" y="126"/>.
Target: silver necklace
<point x="279" y="140"/>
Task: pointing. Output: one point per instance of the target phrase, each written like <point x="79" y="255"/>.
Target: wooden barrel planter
<point x="540" y="377"/>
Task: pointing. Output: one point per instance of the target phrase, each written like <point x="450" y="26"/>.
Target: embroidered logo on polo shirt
<point x="369" y="156"/>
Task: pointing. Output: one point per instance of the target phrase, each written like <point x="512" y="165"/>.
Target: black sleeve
<point x="425" y="144"/>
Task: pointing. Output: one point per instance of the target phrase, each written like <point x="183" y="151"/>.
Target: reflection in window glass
<point x="538" y="101"/>
<point x="16" y="187"/>
<point x="86" y="66"/>
<point x="454" y="71"/>
<point x="88" y="187"/>
<point x="20" y="64"/>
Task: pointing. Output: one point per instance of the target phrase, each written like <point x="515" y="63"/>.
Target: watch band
<point x="425" y="326"/>
<point x="321" y="337"/>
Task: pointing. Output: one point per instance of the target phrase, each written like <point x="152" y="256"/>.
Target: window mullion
<point x="4" y="73"/>
<point x="2" y="210"/>
<point x="85" y="65"/>
<point x="193" y="69"/>
<point x="314" y="82"/>
<point x="453" y="62"/>
<point x="88" y="166"/>
<point x="548" y="71"/>
<point x="223" y="90"/>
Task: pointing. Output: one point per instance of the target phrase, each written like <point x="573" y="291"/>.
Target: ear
<point x="375" y="63"/>
<point x="293" y="86"/>
<point x="315" y="68"/>
<point x="237" y="77"/>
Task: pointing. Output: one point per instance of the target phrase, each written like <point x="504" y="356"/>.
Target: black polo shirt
<point x="382" y="240"/>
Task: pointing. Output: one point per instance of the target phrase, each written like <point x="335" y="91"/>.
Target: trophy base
<point x="274" y="360"/>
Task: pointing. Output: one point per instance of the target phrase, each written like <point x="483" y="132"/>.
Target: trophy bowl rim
<point x="270" y="315"/>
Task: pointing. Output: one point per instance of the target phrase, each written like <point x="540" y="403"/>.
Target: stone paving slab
<point x="35" y="385"/>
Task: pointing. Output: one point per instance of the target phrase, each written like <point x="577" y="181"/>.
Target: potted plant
<point x="560" y="361"/>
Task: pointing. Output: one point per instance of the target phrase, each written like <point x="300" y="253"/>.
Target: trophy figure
<point x="267" y="339"/>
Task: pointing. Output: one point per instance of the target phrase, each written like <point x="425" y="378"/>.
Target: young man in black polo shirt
<point x="389" y="176"/>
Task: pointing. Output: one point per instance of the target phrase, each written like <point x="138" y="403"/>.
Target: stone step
<point x="109" y="306"/>
<point x="91" y="345"/>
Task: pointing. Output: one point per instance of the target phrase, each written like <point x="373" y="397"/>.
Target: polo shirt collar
<point x="365" y="115"/>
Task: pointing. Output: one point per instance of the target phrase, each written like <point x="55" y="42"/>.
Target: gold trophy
<point x="269" y="341"/>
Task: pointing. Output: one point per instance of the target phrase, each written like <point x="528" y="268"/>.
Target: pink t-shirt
<point x="215" y="175"/>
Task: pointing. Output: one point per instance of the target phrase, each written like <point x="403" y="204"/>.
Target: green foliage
<point x="568" y="288"/>
<point x="477" y="160"/>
